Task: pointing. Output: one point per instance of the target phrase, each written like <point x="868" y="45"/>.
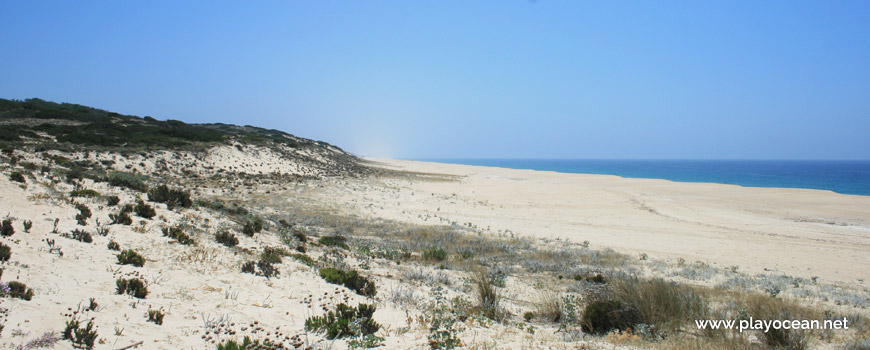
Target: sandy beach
<point x="798" y="232"/>
<point x="518" y="220"/>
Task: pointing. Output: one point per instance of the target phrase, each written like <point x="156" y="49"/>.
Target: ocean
<point x="847" y="177"/>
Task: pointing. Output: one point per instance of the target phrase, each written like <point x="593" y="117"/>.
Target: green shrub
<point x="272" y="255"/>
<point x="156" y="316"/>
<point x="300" y="236"/>
<point x="488" y="298"/>
<point x="602" y="316"/>
<point x="144" y="210"/>
<point x="596" y="278"/>
<point x="662" y="305"/>
<point x="252" y="226"/>
<point x="17" y="177"/>
<point x="18" y="290"/>
<point x="345" y="321"/>
<point x="6" y="228"/>
<point x="171" y="197"/>
<point x="132" y="181"/>
<point x="334" y="241"/>
<point x="133" y="286"/>
<point x="130" y="257"/>
<point x="305" y="259"/>
<point x="81" y="236"/>
<point x="84" y="193"/>
<point x="246" y="344"/>
<point x="27" y="225"/>
<point x="226" y="238"/>
<point x="81" y="337"/>
<point x="113" y="245"/>
<point x="113" y="200"/>
<point x="83" y="215"/>
<point x="5" y="252"/>
<point x="434" y="254"/>
<point x="123" y="216"/>
<point x="176" y="233"/>
<point x="260" y="268"/>
<point x="528" y="316"/>
<point x="764" y="307"/>
<point x="350" y="279"/>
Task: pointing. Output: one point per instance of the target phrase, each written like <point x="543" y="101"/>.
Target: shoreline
<point x="800" y="232"/>
<point x="448" y="162"/>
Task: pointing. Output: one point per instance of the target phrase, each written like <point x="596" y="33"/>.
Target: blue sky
<point x="469" y="79"/>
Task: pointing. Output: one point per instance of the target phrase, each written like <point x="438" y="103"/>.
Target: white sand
<point x="791" y="231"/>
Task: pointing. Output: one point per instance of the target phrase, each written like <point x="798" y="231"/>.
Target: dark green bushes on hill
<point x="144" y="210"/>
<point x="133" y="286"/>
<point x="5" y="252"/>
<point x="131" y="257"/>
<point x="334" y="241"/>
<point x="6" y="228"/>
<point x="350" y="279"/>
<point x="17" y="177"/>
<point x="128" y="180"/>
<point x="345" y="321"/>
<point x="18" y="290"/>
<point x="252" y="226"/>
<point x="170" y="197"/>
<point x="176" y="233"/>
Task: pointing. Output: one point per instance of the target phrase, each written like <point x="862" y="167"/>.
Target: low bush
<point x="113" y="245"/>
<point x="273" y="255"/>
<point x="6" y="228"/>
<point x="83" y="215"/>
<point x="602" y="316"/>
<point x="764" y="307"/>
<point x="132" y="181"/>
<point x="131" y="257"/>
<point x="305" y="259"/>
<point x="84" y="193"/>
<point x="246" y="344"/>
<point x="113" y="200"/>
<point x="176" y="233"/>
<point x="17" y="177"/>
<point x="81" y="236"/>
<point x="334" y="241"/>
<point x="134" y="287"/>
<point x="226" y="238"/>
<point x="27" y="225"/>
<point x="81" y="337"/>
<point x="300" y="236"/>
<point x="16" y="289"/>
<point x="171" y="197"/>
<point x="488" y="298"/>
<point x="434" y="254"/>
<point x="596" y="278"/>
<point x="156" y="316"/>
<point x="144" y="210"/>
<point x="260" y="268"/>
<point x="123" y="216"/>
<point x="252" y="226"/>
<point x="350" y="279"/>
<point x="661" y="305"/>
<point x="345" y="321"/>
<point x="5" y="252"/>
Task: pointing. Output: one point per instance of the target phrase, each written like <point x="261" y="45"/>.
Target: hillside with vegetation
<point x="121" y="232"/>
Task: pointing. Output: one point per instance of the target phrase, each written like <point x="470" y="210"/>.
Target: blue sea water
<point x="847" y="177"/>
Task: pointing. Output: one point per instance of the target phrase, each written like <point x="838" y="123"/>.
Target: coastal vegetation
<point x="214" y="235"/>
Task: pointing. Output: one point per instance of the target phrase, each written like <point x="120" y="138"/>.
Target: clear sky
<point x="469" y="79"/>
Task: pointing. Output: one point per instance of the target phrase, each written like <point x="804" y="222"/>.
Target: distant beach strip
<point x="845" y="177"/>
